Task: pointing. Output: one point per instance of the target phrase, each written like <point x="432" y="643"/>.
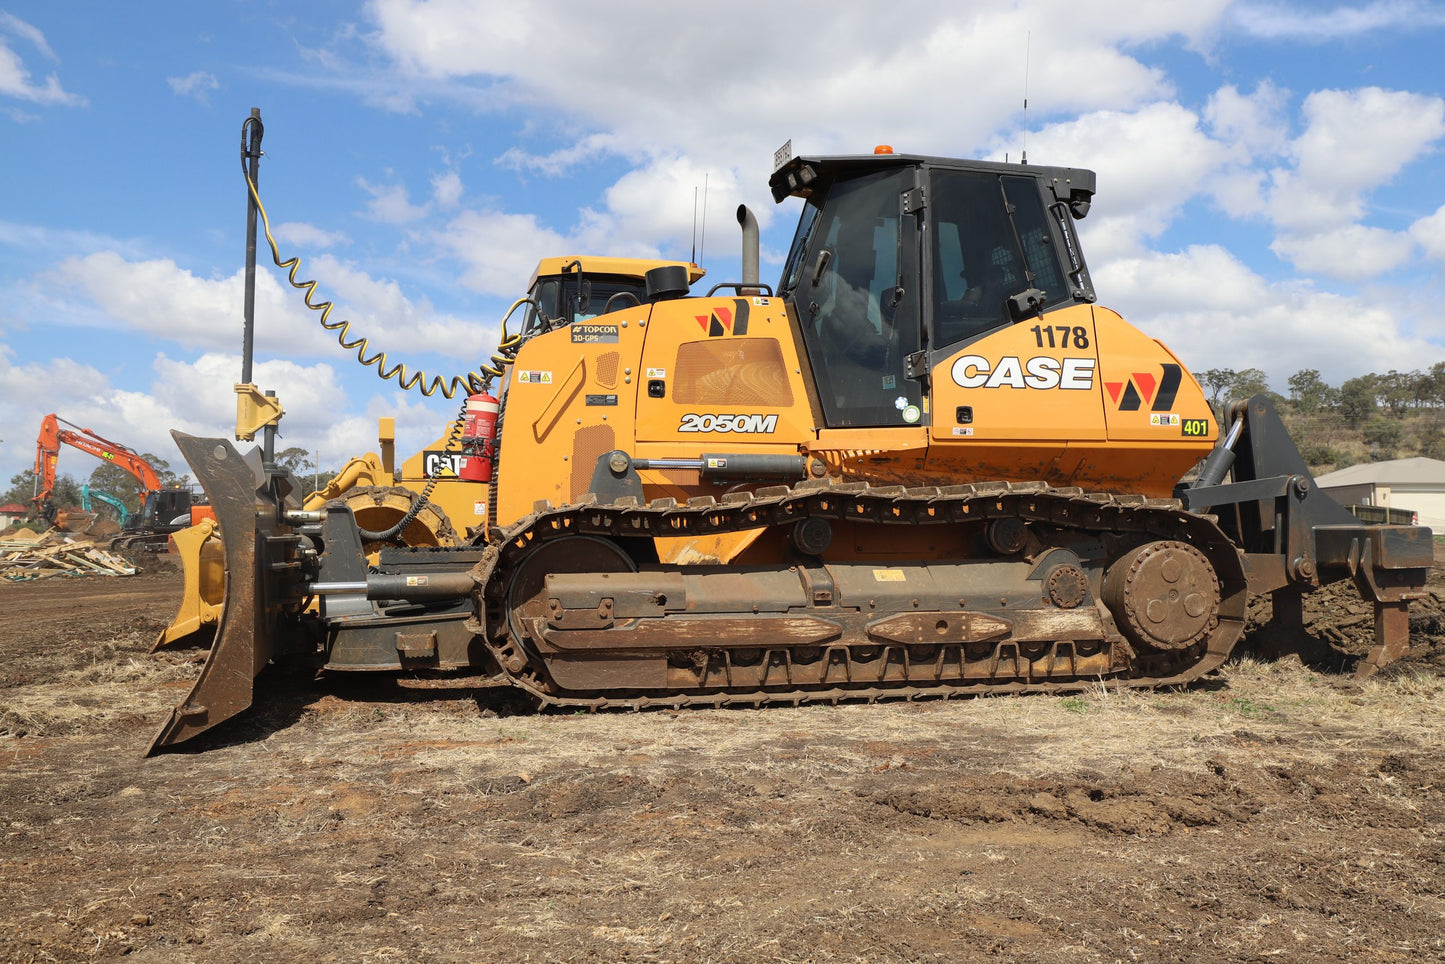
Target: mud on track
<point x="1271" y="813"/>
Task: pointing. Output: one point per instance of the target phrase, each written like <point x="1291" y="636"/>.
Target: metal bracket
<point x="255" y="411"/>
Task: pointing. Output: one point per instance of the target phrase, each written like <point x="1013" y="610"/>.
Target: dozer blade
<point x="242" y="646"/>
<point x="203" y="563"/>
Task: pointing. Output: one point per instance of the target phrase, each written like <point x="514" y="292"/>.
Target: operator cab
<point x="900" y="260"/>
<point x="571" y="289"/>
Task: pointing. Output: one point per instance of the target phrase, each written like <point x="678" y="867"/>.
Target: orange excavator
<point x="160" y="507"/>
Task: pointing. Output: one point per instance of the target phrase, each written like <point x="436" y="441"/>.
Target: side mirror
<point x="1026" y="303"/>
<point x="825" y="257"/>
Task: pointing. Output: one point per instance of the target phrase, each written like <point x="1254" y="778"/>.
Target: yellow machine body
<point x="1086" y="400"/>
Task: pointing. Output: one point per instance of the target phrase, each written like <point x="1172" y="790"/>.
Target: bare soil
<point x="1271" y="813"/>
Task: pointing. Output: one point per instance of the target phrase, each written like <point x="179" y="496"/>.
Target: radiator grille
<point x="587" y="445"/>
<point x="732" y="371"/>
<point x="607" y="369"/>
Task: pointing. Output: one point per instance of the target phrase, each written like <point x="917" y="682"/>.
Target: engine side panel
<point x="1078" y="397"/>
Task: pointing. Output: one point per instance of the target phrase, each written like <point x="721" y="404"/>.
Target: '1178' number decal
<point x="1061" y="336"/>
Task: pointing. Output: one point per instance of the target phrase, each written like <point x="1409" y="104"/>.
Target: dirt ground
<point x="1271" y="813"/>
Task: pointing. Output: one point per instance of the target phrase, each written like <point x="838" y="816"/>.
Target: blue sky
<point x="1271" y="186"/>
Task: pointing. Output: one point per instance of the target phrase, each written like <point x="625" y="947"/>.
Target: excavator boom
<point x="47" y="454"/>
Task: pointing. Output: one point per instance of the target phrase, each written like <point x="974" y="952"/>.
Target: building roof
<point x="13" y="508"/>
<point x="1416" y="471"/>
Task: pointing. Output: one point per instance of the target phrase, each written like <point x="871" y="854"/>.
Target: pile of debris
<point x="26" y="554"/>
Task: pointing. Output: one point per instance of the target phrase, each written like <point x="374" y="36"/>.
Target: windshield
<point x="557" y="298"/>
<point x="991" y="241"/>
<point x="853" y="274"/>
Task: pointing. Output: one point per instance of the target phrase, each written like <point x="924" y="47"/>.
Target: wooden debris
<point x="54" y="553"/>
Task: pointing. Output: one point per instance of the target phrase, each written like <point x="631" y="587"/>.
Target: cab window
<point x="857" y="302"/>
<point x="992" y="241"/>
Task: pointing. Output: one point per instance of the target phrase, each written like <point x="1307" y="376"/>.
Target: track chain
<point x="1037" y="502"/>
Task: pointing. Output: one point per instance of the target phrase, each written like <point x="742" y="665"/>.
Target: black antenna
<point x="694" y="225"/>
<point x="702" y="243"/>
<point x="1028" y="42"/>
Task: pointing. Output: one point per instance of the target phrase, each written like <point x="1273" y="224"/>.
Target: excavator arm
<point x="47" y="454"/>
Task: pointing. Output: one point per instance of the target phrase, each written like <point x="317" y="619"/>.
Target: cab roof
<point x="624" y="267"/>
<point x="797" y="177"/>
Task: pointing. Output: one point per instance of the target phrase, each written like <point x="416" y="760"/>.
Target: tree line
<point x="1370" y="417"/>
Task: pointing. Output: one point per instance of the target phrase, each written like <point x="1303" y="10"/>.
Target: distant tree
<point x="1395" y="390"/>
<point x="1357" y="399"/>
<point x="1251" y="381"/>
<point x="1432" y="446"/>
<point x="1317" y="454"/>
<point x="299" y="462"/>
<point x="1309" y="392"/>
<point x="22" y="488"/>
<point x="1217" y="380"/>
<point x="296" y="460"/>
<point x="1436" y="381"/>
<point x="1422" y="389"/>
<point x="1382" y="433"/>
<point x="111" y="478"/>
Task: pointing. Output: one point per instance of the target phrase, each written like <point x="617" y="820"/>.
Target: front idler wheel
<point x="1164" y="595"/>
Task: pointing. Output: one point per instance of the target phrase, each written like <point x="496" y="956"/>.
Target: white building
<point x="1417" y="484"/>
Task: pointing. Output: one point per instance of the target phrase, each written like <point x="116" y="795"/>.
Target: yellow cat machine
<point x="926" y="464"/>
<point x="426" y="492"/>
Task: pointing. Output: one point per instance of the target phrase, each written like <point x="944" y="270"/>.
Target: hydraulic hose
<point x="470" y="383"/>
<point x="473" y="382"/>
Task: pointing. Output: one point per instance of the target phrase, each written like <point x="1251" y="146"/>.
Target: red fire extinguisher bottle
<point x="479" y="438"/>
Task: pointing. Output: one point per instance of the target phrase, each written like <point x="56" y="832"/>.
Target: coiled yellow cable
<point x="473" y="382"/>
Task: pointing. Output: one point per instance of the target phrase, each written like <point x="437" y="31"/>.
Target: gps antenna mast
<point x="1028" y="42"/>
<point x="255" y="410"/>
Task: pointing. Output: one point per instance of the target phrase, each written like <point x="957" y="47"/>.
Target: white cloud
<point x="1351" y="253"/>
<point x="390" y="203"/>
<point x="163" y="300"/>
<point x="1215" y="312"/>
<point x="1429" y="233"/>
<point x="662" y="201"/>
<point x="198" y="85"/>
<point x="1149" y="163"/>
<point x="28" y="32"/>
<point x="1283" y="21"/>
<point x="397" y="323"/>
<point x="447" y="189"/>
<point x="307" y="235"/>
<point x="1240" y="193"/>
<point x="321" y="413"/>
<point x="1253" y="124"/>
<point x="885" y="81"/>
<point x="1353" y="141"/>
<point x="499" y="250"/>
<point x="195" y="396"/>
<point x="15" y="80"/>
<point x="561" y="161"/>
<point x="167" y="302"/>
<point x="84" y="396"/>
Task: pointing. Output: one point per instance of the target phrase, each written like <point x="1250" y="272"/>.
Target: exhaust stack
<point x="750" y="244"/>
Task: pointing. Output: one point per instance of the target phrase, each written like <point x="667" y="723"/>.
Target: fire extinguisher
<point x="479" y="438"/>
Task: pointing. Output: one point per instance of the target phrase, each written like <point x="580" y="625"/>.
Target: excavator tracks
<point x="1066" y="589"/>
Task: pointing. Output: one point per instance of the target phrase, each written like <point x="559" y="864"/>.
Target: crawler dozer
<point x="926" y="464"/>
